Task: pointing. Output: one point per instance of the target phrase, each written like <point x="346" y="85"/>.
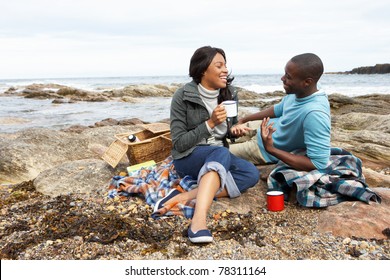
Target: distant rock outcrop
<point x="377" y="69"/>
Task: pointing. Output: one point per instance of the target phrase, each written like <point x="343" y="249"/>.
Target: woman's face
<point x="215" y="77"/>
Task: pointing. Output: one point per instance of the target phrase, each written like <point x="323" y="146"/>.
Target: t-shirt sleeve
<point x="278" y="108"/>
<point x="317" y="138"/>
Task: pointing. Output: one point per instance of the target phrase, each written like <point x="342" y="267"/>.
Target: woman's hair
<point x="199" y="63"/>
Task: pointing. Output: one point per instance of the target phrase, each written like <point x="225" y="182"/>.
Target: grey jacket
<point x="188" y="116"/>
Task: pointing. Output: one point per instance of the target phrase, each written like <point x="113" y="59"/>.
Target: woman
<point x="199" y="130"/>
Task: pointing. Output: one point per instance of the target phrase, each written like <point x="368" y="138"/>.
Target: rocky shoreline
<point x="54" y="202"/>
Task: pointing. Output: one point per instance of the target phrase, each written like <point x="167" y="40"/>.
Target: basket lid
<point x="157" y="127"/>
<point x="115" y="153"/>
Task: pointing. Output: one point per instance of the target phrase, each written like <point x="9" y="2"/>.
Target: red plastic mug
<point x="275" y="200"/>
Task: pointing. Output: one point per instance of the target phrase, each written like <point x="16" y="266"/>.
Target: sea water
<point x="17" y="113"/>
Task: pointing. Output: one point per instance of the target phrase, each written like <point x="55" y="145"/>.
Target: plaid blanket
<point x="154" y="184"/>
<point x="342" y="180"/>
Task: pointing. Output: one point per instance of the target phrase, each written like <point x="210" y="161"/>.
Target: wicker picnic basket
<point x="155" y="146"/>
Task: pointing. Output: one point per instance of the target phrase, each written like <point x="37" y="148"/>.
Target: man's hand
<point x="297" y="162"/>
<point x="266" y="134"/>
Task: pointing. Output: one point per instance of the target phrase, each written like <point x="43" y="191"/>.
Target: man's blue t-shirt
<point x="302" y="123"/>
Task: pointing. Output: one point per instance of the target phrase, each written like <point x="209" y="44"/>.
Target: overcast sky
<point x="94" y="38"/>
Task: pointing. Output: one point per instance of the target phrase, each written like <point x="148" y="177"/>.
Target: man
<point x="300" y="121"/>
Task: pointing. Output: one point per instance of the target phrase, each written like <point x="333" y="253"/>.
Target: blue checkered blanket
<point x="341" y="180"/>
<point x="154" y="184"/>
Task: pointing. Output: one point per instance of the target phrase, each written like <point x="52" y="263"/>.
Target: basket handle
<point x="142" y="142"/>
<point x="167" y="138"/>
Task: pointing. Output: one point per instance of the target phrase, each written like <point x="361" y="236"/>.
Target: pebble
<point x="131" y="207"/>
<point x="347" y="241"/>
<point x="363" y="245"/>
<point x="306" y="241"/>
<point x="354" y="243"/>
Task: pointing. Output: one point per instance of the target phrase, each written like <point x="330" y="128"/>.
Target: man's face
<point x="293" y="83"/>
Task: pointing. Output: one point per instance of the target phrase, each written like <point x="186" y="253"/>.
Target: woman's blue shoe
<point x="201" y="236"/>
<point x="160" y="204"/>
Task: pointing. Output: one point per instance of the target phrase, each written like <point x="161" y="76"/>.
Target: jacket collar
<point x="191" y="92"/>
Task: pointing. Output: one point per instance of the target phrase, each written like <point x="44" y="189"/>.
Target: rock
<point x="107" y="122"/>
<point x="132" y="121"/>
<point x="75" y="128"/>
<point x="265" y="170"/>
<point x="358" y="122"/>
<point x="347" y="240"/>
<point x="11" y="90"/>
<point x="39" y="94"/>
<point x="376" y="179"/>
<point x="127" y="94"/>
<point x="36" y="150"/>
<point x="66" y="91"/>
<point x="366" y="135"/>
<point x="252" y="200"/>
<point x="26" y="155"/>
<point x="358" y="219"/>
<point x="337" y="100"/>
<point x="372" y="104"/>
<point x="80" y="176"/>
<point x="377" y="69"/>
<point x="59" y="101"/>
<point x="144" y="91"/>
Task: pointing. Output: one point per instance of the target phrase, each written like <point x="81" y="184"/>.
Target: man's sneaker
<point x="201" y="236"/>
<point x="160" y="204"/>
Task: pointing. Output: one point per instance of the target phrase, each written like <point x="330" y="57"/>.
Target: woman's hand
<point x="218" y="116"/>
<point x="239" y="130"/>
<point x="266" y="134"/>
